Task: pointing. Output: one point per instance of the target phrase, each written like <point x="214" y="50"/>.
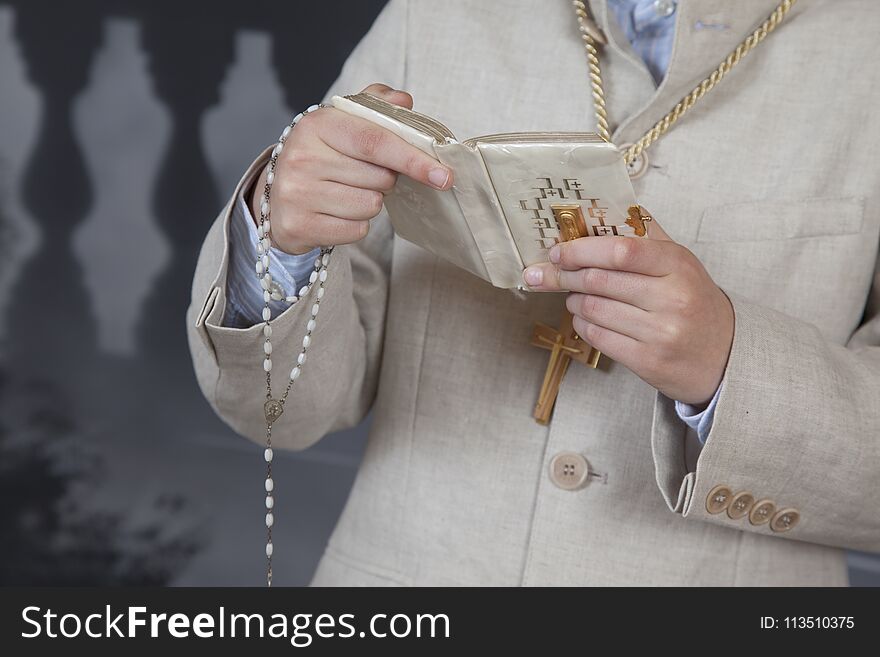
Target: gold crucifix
<point x="565" y="345"/>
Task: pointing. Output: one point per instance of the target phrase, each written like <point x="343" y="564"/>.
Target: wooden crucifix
<point x="564" y="344"/>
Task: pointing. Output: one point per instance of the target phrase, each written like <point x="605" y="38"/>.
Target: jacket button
<point x="762" y="512"/>
<point x="784" y="520"/>
<point x="740" y="505"/>
<point x="718" y="499"/>
<point x="569" y="470"/>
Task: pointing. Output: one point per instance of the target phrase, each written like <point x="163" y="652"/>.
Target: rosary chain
<point x="681" y="108"/>
<point x="274" y="407"/>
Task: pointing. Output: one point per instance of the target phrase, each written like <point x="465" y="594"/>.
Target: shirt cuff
<point x="699" y="421"/>
<point x="244" y="294"/>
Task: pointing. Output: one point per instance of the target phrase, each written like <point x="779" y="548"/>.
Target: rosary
<point x="274" y="406"/>
<point x="633" y="155"/>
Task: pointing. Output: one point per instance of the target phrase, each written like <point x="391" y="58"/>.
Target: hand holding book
<point x="647" y="304"/>
<point x="334" y="173"/>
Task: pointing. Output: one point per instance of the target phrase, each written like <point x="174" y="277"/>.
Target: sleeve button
<point x="762" y="512"/>
<point x="784" y="520"/>
<point x="718" y="499"/>
<point x="740" y="504"/>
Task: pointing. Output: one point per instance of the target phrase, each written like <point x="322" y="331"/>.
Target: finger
<point x="340" y="168"/>
<point x="343" y="201"/>
<point x="633" y="254"/>
<point x="389" y="94"/>
<point x="616" y="346"/>
<point x="329" y="230"/>
<point x="611" y="314"/>
<point x="364" y="140"/>
<point x="634" y="289"/>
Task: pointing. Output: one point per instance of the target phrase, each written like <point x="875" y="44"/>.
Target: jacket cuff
<point x="781" y="455"/>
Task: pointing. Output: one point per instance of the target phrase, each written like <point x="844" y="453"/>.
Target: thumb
<point x="390" y="95"/>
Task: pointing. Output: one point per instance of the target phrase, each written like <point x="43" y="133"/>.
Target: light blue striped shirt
<point x="244" y="294"/>
<point x="650" y="27"/>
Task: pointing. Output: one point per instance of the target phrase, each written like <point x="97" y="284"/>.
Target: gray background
<point x="125" y="126"/>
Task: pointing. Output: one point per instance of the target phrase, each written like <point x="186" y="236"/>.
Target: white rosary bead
<point x="270" y="485"/>
<point x="265" y="242"/>
<point x="312" y="108"/>
<point x="313" y="277"/>
<point x="267" y="330"/>
<point x="260" y="249"/>
<point x="270" y="520"/>
<point x="292" y="299"/>
<point x="285" y="133"/>
<point x="266" y="296"/>
<point x="270" y="501"/>
<point x="267" y="364"/>
<point x="295" y="372"/>
<point x="297" y="118"/>
<point x="301" y="359"/>
<point x="268" y="456"/>
<point x="259" y="267"/>
<point x="304" y="290"/>
<point x="306" y="341"/>
<point x="267" y="314"/>
<point x="311" y="325"/>
<point x="320" y="293"/>
<point x="267" y="224"/>
<point x="270" y="177"/>
<point x="325" y="259"/>
<point x="317" y="262"/>
<point x="267" y="347"/>
<point x="261" y="230"/>
<point x="277" y="150"/>
<point x="264" y="208"/>
<point x="276" y="295"/>
<point x="269" y="549"/>
<point x="323" y="275"/>
<point x="266" y="280"/>
<point x="315" y="308"/>
<point x="265" y="258"/>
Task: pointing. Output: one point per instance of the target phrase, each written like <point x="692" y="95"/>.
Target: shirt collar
<point x="644" y="14"/>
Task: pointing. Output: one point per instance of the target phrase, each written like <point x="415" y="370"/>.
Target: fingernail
<point x="554" y="255"/>
<point x="533" y="276"/>
<point x="438" y="177"/>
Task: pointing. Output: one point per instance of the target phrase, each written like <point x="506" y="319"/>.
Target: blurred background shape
<point x="125" y="126"/>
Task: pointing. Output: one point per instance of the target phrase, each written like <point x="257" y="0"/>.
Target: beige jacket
<point x="772" y="181"/>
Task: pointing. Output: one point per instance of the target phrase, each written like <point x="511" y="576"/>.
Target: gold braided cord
<point x="595" y="72"/>
<point x="663" y="125"/>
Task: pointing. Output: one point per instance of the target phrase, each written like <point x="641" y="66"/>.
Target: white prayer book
<point x="502" y="213"/>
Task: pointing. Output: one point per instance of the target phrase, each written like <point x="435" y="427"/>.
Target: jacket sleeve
<point x="338" y="381"/>
<point x="794" y="449"/>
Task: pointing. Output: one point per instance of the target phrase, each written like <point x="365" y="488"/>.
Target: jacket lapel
<point x="706" y="31"/>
